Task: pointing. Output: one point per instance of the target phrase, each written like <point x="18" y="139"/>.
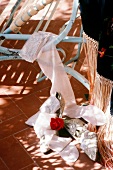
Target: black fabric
<point x="92" y="17"/>
<point x="93" y="13"/>
<point x="97" y="21"/>
<point x="105" y="63"/>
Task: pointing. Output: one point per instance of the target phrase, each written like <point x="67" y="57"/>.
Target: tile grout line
<point x="4" y="163"/>
<point x="15" y="102"/>
<point x="2" y="121"/>
<point x="21" y="109"/>
<point x="13" y="134"/>
<point x="18" y="107"/>
<point x="25" y="150"/>
<point x="29" y="165"/>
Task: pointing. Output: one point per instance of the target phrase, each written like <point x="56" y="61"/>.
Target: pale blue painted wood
<point x="62" y="37"/>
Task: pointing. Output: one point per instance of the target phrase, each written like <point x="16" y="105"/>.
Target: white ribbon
<point x="40" y="47"/>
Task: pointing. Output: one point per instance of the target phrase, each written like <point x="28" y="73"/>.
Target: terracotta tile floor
<point x="21" y="96"/>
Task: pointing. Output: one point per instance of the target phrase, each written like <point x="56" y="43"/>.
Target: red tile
<point x="31" y="87"/>
<point x="13" y="154"/>
<point x="3" y="88"/>
<point x="8" y="109"/>
<point x="79" y="91"/>
<point x="43" y="94"/>
<point x="29" y="105"/>
<point x="22" y="80"/>
<point x="47" y="161"/>
<point x="12" y="126"/>
<point x="19" y="71"/>
<point x="32" y="167"/>
<point x="54" y="161"/>
<point x="55" y="26"/>
<point x="28" y="135"/>
<point x="85" y="163"/>
<point x="18" y="91"/>
<point x="3" y="165"/>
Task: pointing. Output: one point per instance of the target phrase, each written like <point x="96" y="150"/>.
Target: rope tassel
<point x="100" y="94"/>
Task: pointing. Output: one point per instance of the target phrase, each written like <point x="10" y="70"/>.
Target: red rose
<point x="56" y="123"/>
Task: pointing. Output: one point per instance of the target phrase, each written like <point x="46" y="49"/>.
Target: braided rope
<point x="30" y="9"/>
